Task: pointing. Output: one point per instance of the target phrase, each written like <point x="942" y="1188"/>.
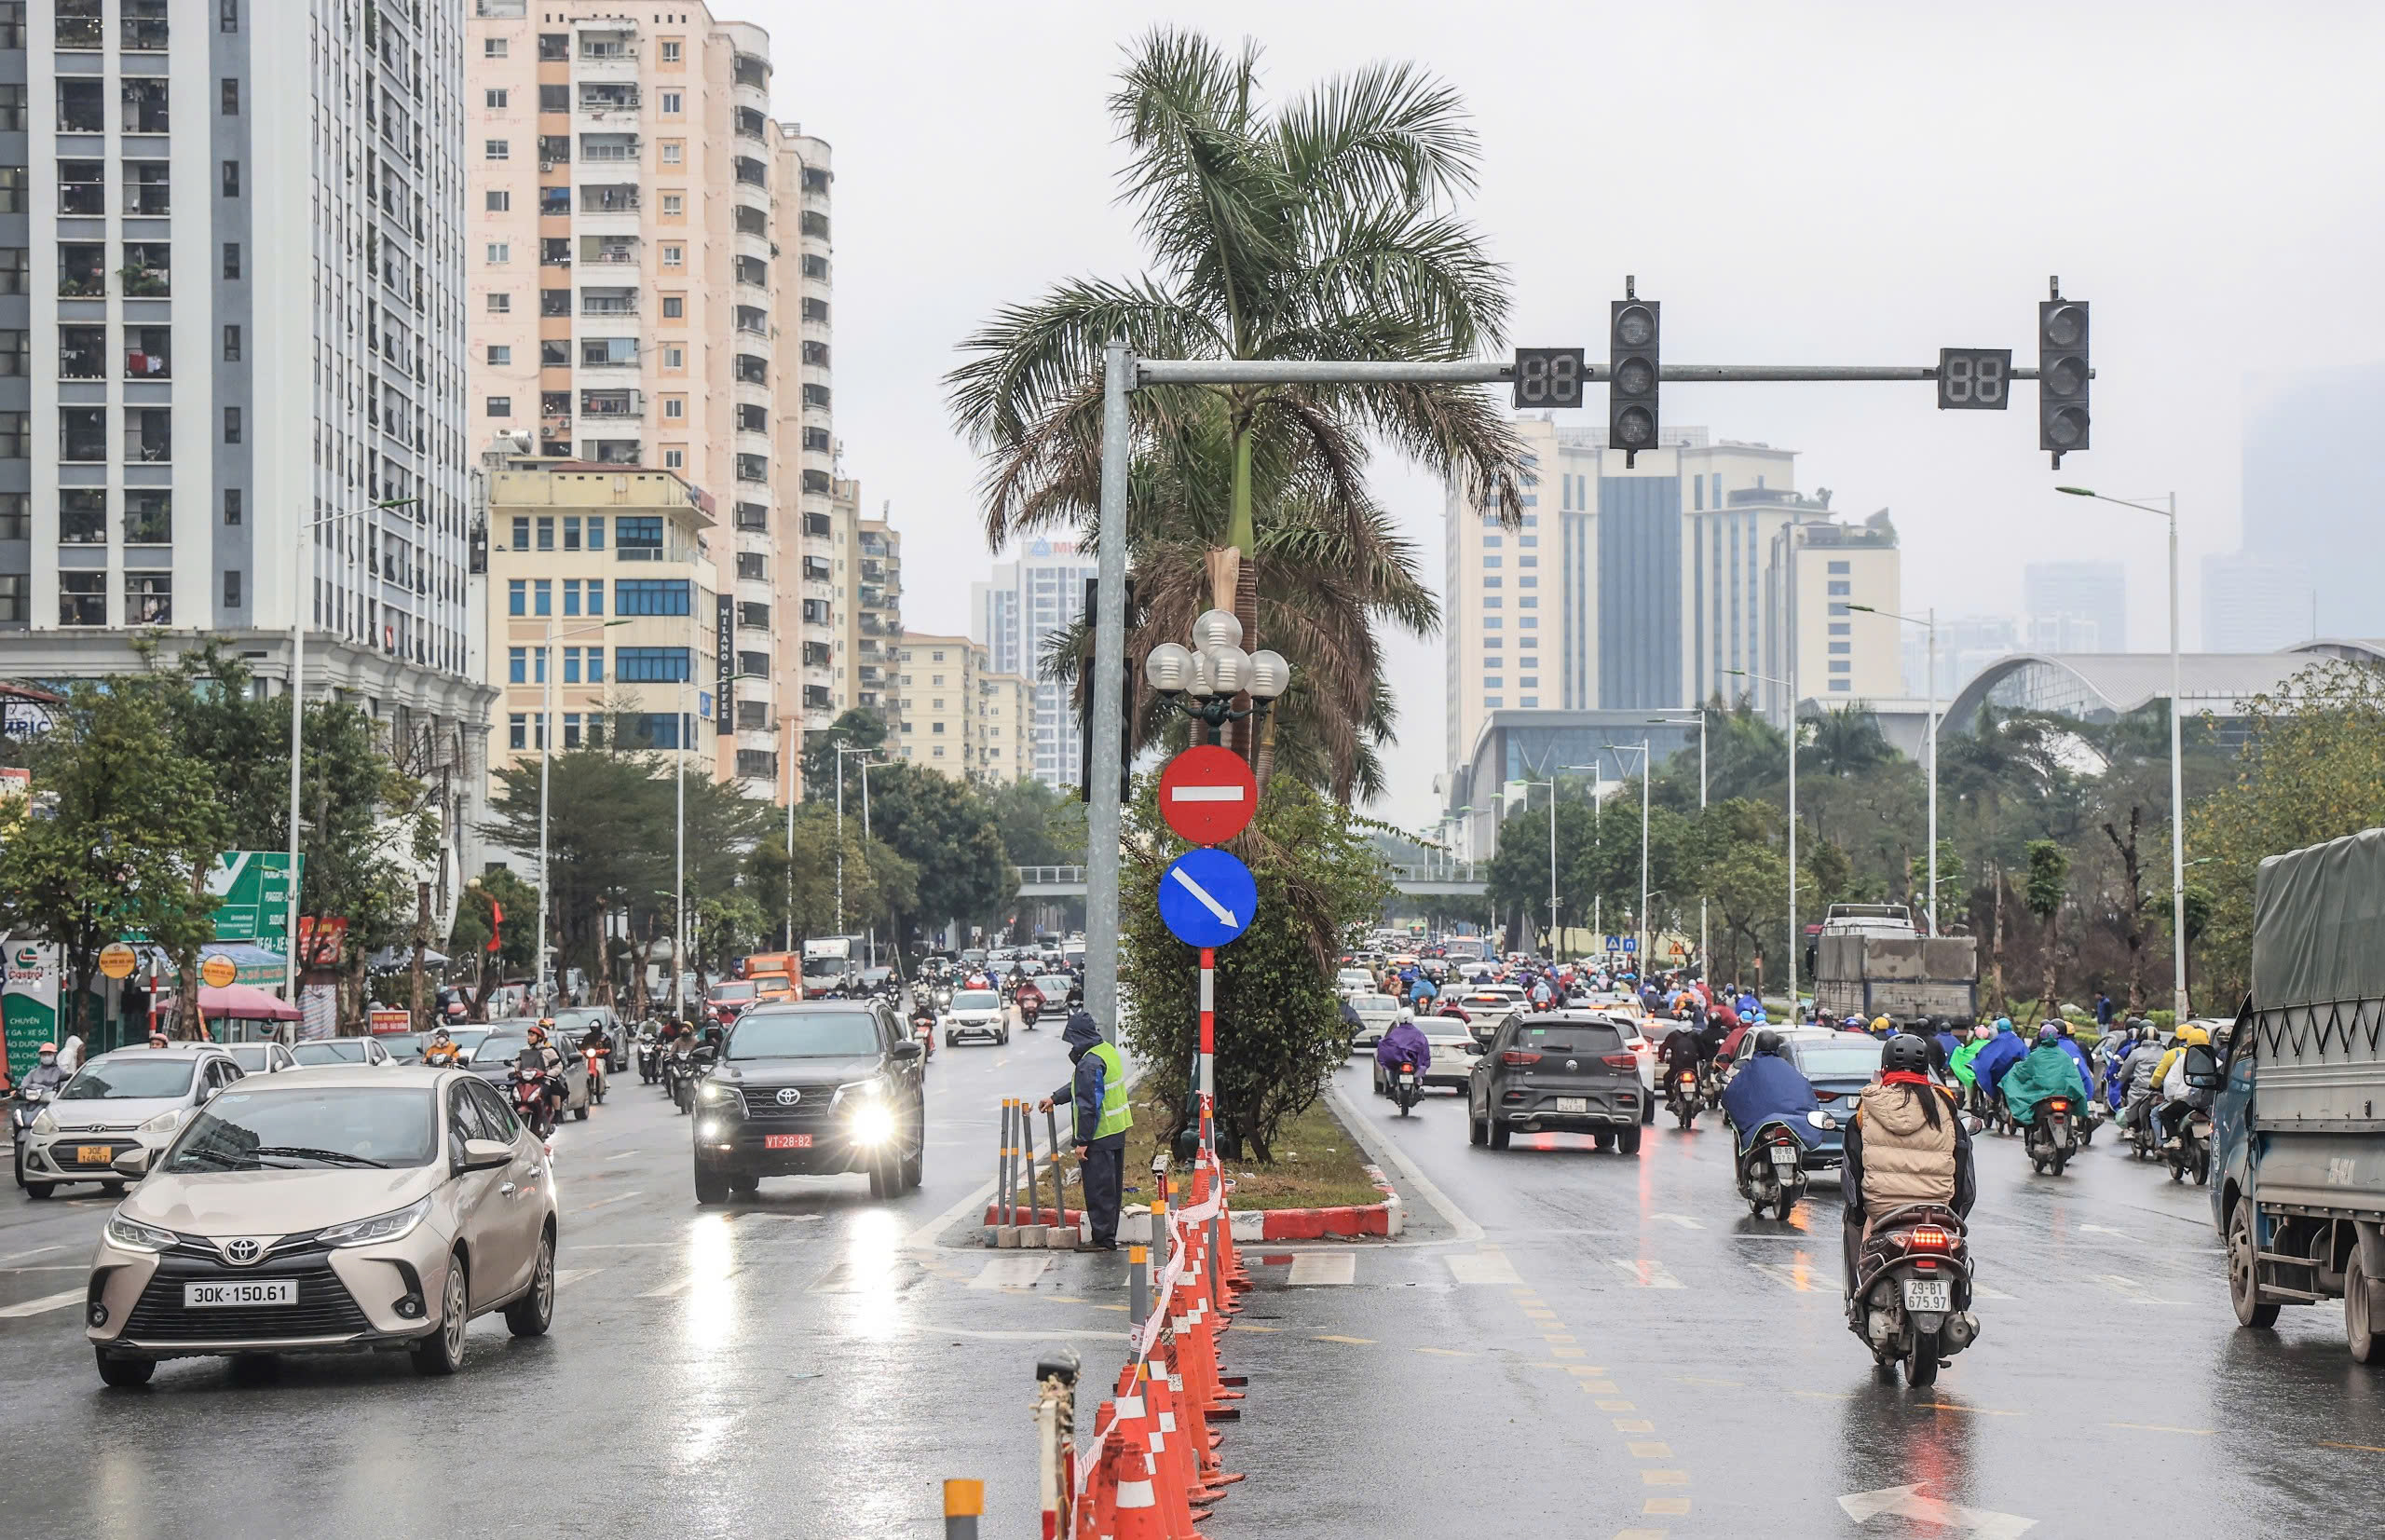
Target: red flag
<point x="495" y="919"/>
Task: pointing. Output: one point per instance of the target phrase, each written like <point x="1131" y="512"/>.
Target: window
<point x="671" y="153"/>
<point x="596" y="542"/>
<point x="15" y="350"/>
<point x="675" y="460"/>
<point x="1840" y="590"/>
<point x="571" y="596"/>
<point x="231" y="98"/>
<point x="1840" y="569"/>
<point x="673" y="205"/>
<point x="497" y="149"/>
<point x="542" y="597"/>
<point x="82" y="187"/>
<point x="83" y="516"/>
<point x="16" y="601"/>
<point x="496" y="201"/>
<point x="231" y="179"/>
<point x="231" y="590"/>
<point x="1842" y="665"/>
<point x="546" y="532"/>
<point x="521" y="534"/>
<point x="650" y="665"/>
<point x="16" y="515"/>
<point x="1842" y="628"/>
<point x="82" y="106"/>
<point x="673" y="254"/>
<point x="82" y="598"/>
<point x="231" y="259"/>
<point x="231" y="345"/>
<point x="494" y="97"/>
<point x="554" y="45"/>
<point x="149" y="598"/>
<point x="12" y="189"/>
<point x="231" y="505"/>
<point x="638" y="538"/>
<point x="499" y="355"/>
<point x="650" y="596"/>
<point x="1842" y="647"/>
<point x="670" y="51"/>
<point x="517" y="730"/>
<point x="675" y="307"/>
<point x="12" y="108"/>
<point x="149" y="435"/>
<point x="516" y="591"/>
<point x="231" y="425"/>
<point x="499" y="253"/>
<point x="500" y="406"/>
<point x="1847" y="685"/>
<point x="500" y="304"/>
<point x="227" y="16"/>
<point x="16" y="269"/>
<point x="83" y="433"/>
<point x="673" y="407"/>
<point x="675" y="357"/>
<point x="597" y="654"/>
<point x="493" y="48"/>
<point x="671" y="104"/>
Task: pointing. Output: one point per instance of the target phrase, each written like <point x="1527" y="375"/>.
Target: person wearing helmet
<point x="1767" y="1088"/>
<point x="46" y="1074"/>
<point x="440" y="1052"/>
<point x="2046" y="1071"/>
<point x="2169" y="1089"/>
<point x="540" y="1052"/>
<point x="1905" y="1144"/>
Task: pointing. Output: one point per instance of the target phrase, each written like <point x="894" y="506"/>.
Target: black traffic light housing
<point x="1634" y="330"/>
<point x="2063" y="373"/>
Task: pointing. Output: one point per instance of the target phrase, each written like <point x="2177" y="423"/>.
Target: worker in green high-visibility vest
<point x="1098" y="1093"/>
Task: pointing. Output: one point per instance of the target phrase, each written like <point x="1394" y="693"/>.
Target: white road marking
<point x="1355" y="1120"/>
<point x="1681" y="1219"/>
<point x="1982" y="1291"/>
<point x="1648" y="1273"/>
<point x="618" y="1198"/>
<point x="566" y="1277"/>
<point x="36" y="1251"/>
<point x="2134" y="1290"/>
<point x="1013" y="1336"/>
<point x="1323" y="1268"/>
<point x="627" y="1246"/>
<point x="1017" y="1271"/>
<point x="2103" y="1230"/>
<point x="1480" y="1267"/>
<point x="1799" y="1279"/>
<point x="625" y="1154"/>
<point x="669" y="1291"/>
<point x="37" y="1307"/>
<point x="1908" y="1502"/>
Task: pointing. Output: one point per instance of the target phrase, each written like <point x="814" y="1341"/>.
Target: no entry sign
<point x="1207" y="795"/>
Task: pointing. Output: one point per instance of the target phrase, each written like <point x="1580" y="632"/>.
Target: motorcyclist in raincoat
<point x="2172" y="1101"/>
<point x="2003" y="1051"/>
<point x="1959" y="1061"/>
<point x="1767" y="1087"/>
<point x="1404" y="1044"/>
<point x="2046" y="1071"/>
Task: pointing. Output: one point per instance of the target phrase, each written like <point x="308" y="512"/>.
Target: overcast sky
<point x="1806" y="183"/>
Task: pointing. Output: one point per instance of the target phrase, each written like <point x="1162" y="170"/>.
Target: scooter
<point x="2192" y="1154"/>
<point x="1030" y="1014"/>
<point x="1683" y="1097"/>
<point x="22" y="1109"/>
<point x="2051" y="1135"/>
<point x="649" y="1058"/>
<point x="531" y="1101"/>
<point x="1913" y="1295"/>
<point x="1406" y="1087"/>
<point x="1772" y="1169"/>
<point x="680" y="1075"/>
<point x="597" y="1059"/>
<point x="924" y="1028"/>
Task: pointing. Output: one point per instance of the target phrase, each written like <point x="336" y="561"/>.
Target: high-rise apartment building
<point x="960" y="717"/>
<point x="2251" y="603"/>
<point x="2309" y="488"/>
<point x="1014" y="613"/>
<point x="1821" y="569"/>
<point x="873" y="615"/>
<point x="2075" y="607"/>
<point x="231" y="300"/>
<point x="649" y="274"/>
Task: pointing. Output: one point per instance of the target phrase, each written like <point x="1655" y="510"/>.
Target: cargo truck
<point x="1870" y="959"/>
<point x="2297" y="1091"/>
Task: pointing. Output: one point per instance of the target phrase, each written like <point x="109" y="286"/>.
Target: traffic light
<point x="2063" y="373"/>
<point x="1632" y="336"/>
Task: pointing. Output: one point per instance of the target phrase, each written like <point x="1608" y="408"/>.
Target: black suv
<point x="1560" y="1071"/>
<point x="813" y="1089"/>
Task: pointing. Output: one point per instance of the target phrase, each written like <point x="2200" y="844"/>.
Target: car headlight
<point x="132" y="1235"/>
<point x="873" y="1124"/>
<point x="164" y="1123"/>
<point x="865" y="1090"/>
<point x="391" y="1226"/>
<point x="722" y="1097"/>
<point x="43" y="1123"/>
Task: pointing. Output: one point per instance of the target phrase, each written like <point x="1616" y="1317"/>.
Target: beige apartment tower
<point x="958" y="717"/>
<point x="648" y="273"/>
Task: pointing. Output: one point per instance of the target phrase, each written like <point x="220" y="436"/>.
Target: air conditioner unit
<point x="546" y="165"/>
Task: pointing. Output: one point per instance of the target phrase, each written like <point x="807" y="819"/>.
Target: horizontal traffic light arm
<point x="1305" y="372"/>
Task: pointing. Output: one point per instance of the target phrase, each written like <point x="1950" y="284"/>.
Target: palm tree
<point x="1318" y="230"/>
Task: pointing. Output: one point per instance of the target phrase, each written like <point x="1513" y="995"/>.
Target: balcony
<point x="619" y="251"/>
<point x="601" y="97"/>
<point x="609" y="199"/>
<point x="609" y="302"/>
<point x="748" y="124"/>
<point x="750" y="171"/>
<point x="753" y="71"/>
<point x="615" y="148"/>
<point x="753" y="321"/>
<point x="815" y="224"/>
<point x="816" y="570"/>
<point x="612" y="404"/>
<point x="79" y="25"/>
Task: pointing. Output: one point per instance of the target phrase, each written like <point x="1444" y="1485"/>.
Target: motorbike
<point x="1406" y="1087"/>
<point x="1028" y="1013"/>
<point x="2052" y="1135"/>
<point x="924" y="1028"/>
<point x="1684" y="1098"/>
<point x="2136" y="1122"/>
<point x="649" y="1058"/>
<point x="1772" y="1169"/>
<point x="680" y="1075"/>
<point x="1912" y="1294"/>
<point x="531" y="1102"/>
<point x="22" y="1109"/>
<point x="2192" y="1154"/>
<point x="596" y="1059"/>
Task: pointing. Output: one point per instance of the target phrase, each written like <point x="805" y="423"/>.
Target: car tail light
<point x="1825" y="1096"/>
<point x="1620" y="1061"/>
<point x="1927" y="1237"/>
<point x="1519" y="1055"/>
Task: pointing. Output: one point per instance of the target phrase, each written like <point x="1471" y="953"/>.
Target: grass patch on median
<point x="1317" y="1164"/>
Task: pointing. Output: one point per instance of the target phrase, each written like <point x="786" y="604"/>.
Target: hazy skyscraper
<point x="2075" y="606"/>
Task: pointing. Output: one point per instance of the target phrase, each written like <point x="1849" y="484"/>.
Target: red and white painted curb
<point x="1310" y="1224"/>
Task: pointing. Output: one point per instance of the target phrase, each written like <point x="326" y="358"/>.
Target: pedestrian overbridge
<point x="1430" y="880"/>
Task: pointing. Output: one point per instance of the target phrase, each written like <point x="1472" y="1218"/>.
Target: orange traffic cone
<point x="1182" y="1456"/>
<point x="1097" y="1515"/>
<point x="1139" y="1513"/>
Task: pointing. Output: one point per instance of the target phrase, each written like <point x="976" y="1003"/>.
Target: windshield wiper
<point x="229" y="1160"/>
<point x="300" y="1152"/>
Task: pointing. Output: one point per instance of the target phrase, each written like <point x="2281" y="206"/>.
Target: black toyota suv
<point x="813" y="1089"/>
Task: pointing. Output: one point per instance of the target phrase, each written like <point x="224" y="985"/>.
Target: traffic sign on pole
<point x="1207" y="795"/>
<point x="1206" y="898"/>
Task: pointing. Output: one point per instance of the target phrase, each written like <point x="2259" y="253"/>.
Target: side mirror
<point x="908" y="1048"/>
<point x="2202" y="1069"/>
<point x="486" y="1154"/>
<point x="134" y="1163"/>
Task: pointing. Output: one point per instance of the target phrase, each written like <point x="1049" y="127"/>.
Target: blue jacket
<point x="2003" y="1051"/>
<point x="1767" y="1086"/>
<point x="1404" y="1044"/>
<point x="2086" y="1067"/>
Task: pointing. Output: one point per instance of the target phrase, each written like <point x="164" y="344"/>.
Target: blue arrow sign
<point x="1207" y="897"/>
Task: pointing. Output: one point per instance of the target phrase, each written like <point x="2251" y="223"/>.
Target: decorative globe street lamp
<point x="1202" y="680"/>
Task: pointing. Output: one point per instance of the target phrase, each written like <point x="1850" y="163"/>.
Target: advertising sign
<point x="387" y="1018"/>
<point x="322" y="943"/>
<point x="116" y="960"/>
<point x="253" y="890"/>
<point x="725" y="659"/>
<point x="218" y="973"/>
<point x="29" y="1002"/>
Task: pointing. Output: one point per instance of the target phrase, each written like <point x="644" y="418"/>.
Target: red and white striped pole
<point x="1208" y="1049"/>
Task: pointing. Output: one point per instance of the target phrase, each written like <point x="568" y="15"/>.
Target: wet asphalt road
<point x="1565" y="1342"/>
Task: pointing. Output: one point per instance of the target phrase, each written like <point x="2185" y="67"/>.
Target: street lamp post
<point x="300" y="602"/>
<point x="1794" y="937"/>
<point x="867" y="763"/>
<point x="1642" y="917"/>
<point x="546" y="757"/>
<point x="1705" y="958"/>
<point x="2168" y="509"/>
<point x="1928" y="620"/>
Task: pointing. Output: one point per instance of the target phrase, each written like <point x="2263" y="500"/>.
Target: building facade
<point x="2075" y="607"/>
<point x="602" y="619"/>
<point x="231" y="286"/>
<point x="2251" y="603"/>
<point x="870" y="590"/>
<point x="649" y="277"/>
<point x="938" y="678"/>
<point x="1015" y="614"/>
<point x="1836" y="654"/>
<point x="2309" y="497"/>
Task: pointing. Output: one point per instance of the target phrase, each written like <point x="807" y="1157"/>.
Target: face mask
<point x="48" y="1059"/>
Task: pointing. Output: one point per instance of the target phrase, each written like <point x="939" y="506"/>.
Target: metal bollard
<point x="1161" y="1240"/>
<point x="964" y="1504"/>
<point x="1031" y="1229"/>
<point x="1061" y="1235"/>
<point x="1005" y="1210"/>
<point x="1138" y="1283"/>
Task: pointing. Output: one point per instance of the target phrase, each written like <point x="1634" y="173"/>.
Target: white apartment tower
<point x="231" y="286"/>
<point x="1013" y="613"/>
<point x="648" y="256"/>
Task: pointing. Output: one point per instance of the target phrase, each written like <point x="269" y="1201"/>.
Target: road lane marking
<point x="607" y="1203"/>
<point x="1647" y="1272"/>
<point x="626" y="1246"/>
<point x="625" y="1154"/>
<point x="1693" y="1380"/>
<point x="1021" y="1336"/>
<point x="1788" y="1276"/>
<point x="1599" y="1387"/>
<point x="2103" y="1230"/>
<point x="1664" y="1478"/>
<point x="1908" y="1502"/>
<point x="1445" y="1352"/>
<point x="2365" y="1449"/>
<point x="1633" y="1424"/>
<point x="1382" y="1149"/>
<point x="1481" y="1267"/>
<point x="1355" y="1342"/>
<point x="36" y="1251"/>
<point x="1317" y="1269"/>
<point x="1555" y="1337"/>
<point x="2196" y="1432"/>
<point x="566" y="1277"/>
<point x="1675" y="1507"/>
<point x="1011" y="1273"/>
<point x="1681" y="1219"/>
<point x="1650" y="1450"/>
<point x="1956" y="1405"/>
<point x="2137" y="1293"/>
<point x="41" y="1306"/>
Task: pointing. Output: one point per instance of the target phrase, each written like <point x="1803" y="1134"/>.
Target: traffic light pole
<point x="1122" y="373"/>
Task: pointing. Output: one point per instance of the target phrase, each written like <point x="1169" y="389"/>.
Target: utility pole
<point x="421" y="939"/>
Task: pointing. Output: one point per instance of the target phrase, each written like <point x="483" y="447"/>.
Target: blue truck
<point x="2296" y="1085"/>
